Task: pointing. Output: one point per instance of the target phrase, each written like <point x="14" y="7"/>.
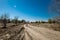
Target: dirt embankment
<point x="12" y="32"/>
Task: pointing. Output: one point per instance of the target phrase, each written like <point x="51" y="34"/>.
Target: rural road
<point x="40" y="33"/>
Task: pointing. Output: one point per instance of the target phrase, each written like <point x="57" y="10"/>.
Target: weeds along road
<point x="40" y="33"/>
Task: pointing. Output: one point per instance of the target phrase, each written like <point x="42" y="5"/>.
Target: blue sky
<point x="30" y="10"/>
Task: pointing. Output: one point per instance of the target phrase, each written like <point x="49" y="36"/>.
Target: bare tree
<point x="4" y="19"/>
<point x="57" y="19"/>
<point x="55" y="9"/>
<point x="16" y="20"/>
<point x="23" y="21"/>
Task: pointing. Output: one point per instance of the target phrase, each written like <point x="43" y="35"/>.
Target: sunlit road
<point x="40" y="33"/>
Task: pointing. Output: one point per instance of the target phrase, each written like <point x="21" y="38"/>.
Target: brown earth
<point x="28" y="32"/>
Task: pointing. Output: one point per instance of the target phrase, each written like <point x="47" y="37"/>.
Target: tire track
<point x="50" y="34"/>
<point x="35" y="35"/>
<point x="17" y="35"/>
<point x="29" y="36"/>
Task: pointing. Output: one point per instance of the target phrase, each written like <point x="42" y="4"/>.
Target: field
<point x="30" y="31"/>
<point x="53" y="26"/>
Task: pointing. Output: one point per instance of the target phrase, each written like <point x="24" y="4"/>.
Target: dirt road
<point x="28" y="32"/>
<point x="40" y="33"/>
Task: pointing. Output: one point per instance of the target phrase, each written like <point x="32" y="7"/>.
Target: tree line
<point x="4" y="19"/>
<point x="48" y="21"/>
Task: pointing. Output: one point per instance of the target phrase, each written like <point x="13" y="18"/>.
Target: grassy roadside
<point x="52" y="26"/>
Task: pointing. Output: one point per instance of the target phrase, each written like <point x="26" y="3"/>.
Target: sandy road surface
<point x="40" y="33"/>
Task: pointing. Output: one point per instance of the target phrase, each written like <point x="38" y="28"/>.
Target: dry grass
<point x="11" y="32"/>
<point x="55" y="26"/>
